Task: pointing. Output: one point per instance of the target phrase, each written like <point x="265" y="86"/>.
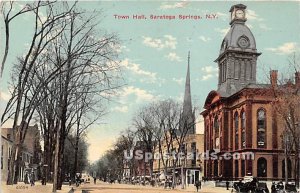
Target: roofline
<point x="238" y="6"/>
<point x="233" y="95"/>
<point x="242" y="90"/>
<point x="236" y="51"/>
<point x="7" y="139"/>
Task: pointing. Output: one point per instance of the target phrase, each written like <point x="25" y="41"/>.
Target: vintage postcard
<point x="150" y="96"/>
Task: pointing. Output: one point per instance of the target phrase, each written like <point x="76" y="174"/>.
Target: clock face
<point x="239" y="14"/>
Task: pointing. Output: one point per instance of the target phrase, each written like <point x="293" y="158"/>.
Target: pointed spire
<point x="187" y="103"/>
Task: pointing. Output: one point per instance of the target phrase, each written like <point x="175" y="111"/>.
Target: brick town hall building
<point x="237" y="118"/>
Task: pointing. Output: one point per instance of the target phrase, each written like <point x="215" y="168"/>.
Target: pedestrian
<point x="227" y="185"/>
<point x="26" y="178"/>
<point x="273" y="188"/>
<point x="32" y="179"/>
<point x="77" y="180"/>
<point x="95" y="180"/>
<point x="44" y="180"/>
<point x="198" y="185"/>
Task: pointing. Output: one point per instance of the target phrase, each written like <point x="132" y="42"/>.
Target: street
<point x="125" y="188"/>
<point x="107" y="188"/>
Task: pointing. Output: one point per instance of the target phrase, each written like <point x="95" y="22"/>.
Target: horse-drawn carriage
<point x="290" y="188"/>
<point x="251" y="186"/>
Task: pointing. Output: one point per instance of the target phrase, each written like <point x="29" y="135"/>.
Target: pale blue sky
<point x="154" y="52"/>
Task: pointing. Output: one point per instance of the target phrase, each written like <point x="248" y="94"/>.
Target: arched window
<point x="262" y="167"/>
<point x="243" y="122"/>
<point x="236" y="129"/>
<point x="261" y="128"/>
<point x="217" y="130"/>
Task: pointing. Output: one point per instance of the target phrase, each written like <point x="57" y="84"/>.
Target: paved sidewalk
<point x="26" y="188"/>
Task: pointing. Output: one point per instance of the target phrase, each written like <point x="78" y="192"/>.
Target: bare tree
<point x="164" y="122"/>
<point x="286" y="105"/>
<point x="130" y="139"/>
<point x="69" y="64"/>
<point x="90" y="62"/>
<point x="87" y="114"/>
<point x="45" y="31"/>
<point x="285" y="94"/>
<point x="146" y="133"/>
<point x="9" y="15"/>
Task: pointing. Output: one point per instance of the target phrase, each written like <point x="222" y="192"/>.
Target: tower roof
<point x="238" y="32"/>
<point x="237" y="60"/>
<point x="239" y="37"/>
<point x="187" y="103"/>
<point x="237" y="6"/>
<point x="188" y="120"/>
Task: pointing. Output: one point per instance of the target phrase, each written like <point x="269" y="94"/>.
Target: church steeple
<point x="187" y="113"/>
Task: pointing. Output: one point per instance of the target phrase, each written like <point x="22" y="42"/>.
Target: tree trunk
<point x="286" y="168"/>
<point x="60" y="174"/>
<point x="55" y="172"/>
<point x="144" y="179"/>
<point x="17" y="165"/>
<point x="76" y="157"/>
<point x="297" y="169"/>
<point x="6" y="46"/>
<point x="46" y="153"/>
<point x="182" y="176"/>
<point x="10" y="175"/>
<point x="52" y="153"/>
<point x="173" y="176"/>
<point x="166" y="172"/>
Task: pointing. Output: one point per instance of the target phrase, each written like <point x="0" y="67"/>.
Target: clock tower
<point x="238" y="13"/>
<point x="238" y="55"/>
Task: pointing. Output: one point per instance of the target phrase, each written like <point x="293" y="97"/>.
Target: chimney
<point x="273" y="77"/>
<point x="297" y="79"/>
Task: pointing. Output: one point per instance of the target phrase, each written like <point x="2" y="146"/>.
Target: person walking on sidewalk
<point x="32" y="179"/>
<point x="227" y="184"/>
<point x="198" y="185"/>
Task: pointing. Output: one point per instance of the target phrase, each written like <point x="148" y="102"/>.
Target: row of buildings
<point x="31" y="154"/>
<point x="238" y="117"/>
